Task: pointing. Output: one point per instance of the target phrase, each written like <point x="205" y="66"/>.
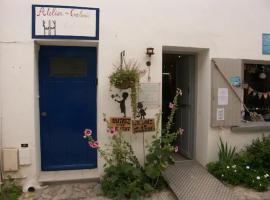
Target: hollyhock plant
<point x="171" y="105"/>
<point x="93" y="144"/>
<point x="112" y="131"/>
<point x="87" y="133"/>
<point x="179" y="92"/>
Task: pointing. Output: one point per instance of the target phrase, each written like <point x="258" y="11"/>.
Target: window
<point x="257" y="90"/>
<point x="68" y="67"/>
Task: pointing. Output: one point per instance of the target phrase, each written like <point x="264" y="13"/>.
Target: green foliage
<point x="128" y="77"/>
<point x="257" y="155"/>
<point x="248" y="168"/>
<point x="226" y="154"/>
<point x="159" y="156"/>
<point x="10" y="190"/>
<point x="124" y="177"/>
<point x="124" y="181"/>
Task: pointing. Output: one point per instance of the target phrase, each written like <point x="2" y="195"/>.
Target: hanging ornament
<point x="254" y="93"/>
<point x="260" y="95"/>
<point x="250" y="89"/>
<point x="245" y="85"/>
<point x="265" y="95"/>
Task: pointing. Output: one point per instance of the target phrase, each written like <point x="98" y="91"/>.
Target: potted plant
<point x="125" y="77"/>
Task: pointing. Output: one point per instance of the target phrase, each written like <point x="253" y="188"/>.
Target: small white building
<point x="53" y="52"/>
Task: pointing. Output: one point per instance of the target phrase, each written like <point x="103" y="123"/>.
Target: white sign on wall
<point x="65" y="22"/>
<point x="149" y="95"/>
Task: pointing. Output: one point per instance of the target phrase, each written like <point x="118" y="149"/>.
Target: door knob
<point x="43" y="114"/>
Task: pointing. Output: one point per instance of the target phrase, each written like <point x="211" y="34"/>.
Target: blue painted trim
<point x="265" y="44"/>
<point x="64" y="36"/>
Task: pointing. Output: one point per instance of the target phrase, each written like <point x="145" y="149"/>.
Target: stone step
<point x="47" y="177"/>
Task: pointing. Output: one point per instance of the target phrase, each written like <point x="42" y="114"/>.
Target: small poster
<point x="143" y="125"/>
<point x="223" y="96"/>
<point x="220" y="114"/>
<point x="235" y="81"/>
<point x="121" y="123"/>
<point x="149" y="95"/>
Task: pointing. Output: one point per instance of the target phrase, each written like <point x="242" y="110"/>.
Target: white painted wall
<point x="231" y="29"/>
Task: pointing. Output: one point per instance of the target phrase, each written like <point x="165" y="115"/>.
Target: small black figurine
<point x="141" y="111"/>
<point x="122" y="103"/>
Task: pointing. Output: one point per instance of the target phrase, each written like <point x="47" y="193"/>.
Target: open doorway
<point x="179" y="72"/>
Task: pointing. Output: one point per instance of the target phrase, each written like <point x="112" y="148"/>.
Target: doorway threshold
<point x="68" y="176"/>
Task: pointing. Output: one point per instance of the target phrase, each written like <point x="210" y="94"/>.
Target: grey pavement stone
<point x="81" y="191"/>
<point x="92" y="191"/>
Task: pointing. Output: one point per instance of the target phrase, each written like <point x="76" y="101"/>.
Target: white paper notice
<point x="220" y="114"/>
<point x="223" y="96"/>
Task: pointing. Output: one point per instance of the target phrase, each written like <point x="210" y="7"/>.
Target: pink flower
<point x="87" y="133"/>
<point x="112" y="131"/>
<point x="171" y="105"/>
<point x="93" y="144"/>
<point x="176" y="149"/>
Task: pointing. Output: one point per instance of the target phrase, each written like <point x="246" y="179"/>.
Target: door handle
<point x="43" y="114"/>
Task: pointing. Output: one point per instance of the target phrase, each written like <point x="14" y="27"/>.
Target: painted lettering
<point x="48" y="12"/>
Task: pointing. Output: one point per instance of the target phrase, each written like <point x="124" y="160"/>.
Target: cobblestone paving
<point x="85" y="191"/>
<point x="81" y="191"/>
<point x="249" y="194"/>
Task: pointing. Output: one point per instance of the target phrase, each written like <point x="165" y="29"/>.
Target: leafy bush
<point x="226" y="154"/>
<point x="124" y="181"/>
<point x="257" y="155"/>
<point x="10" y="190"/>
<point x="240" y="169"/>
<point x="124" y="176"/>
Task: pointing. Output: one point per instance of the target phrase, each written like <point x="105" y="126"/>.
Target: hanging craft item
<point x="254" y="93"/>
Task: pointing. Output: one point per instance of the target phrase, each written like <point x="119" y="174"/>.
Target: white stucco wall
<point x="228" y="29"/>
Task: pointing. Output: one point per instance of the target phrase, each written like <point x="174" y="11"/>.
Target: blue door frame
<point x="67" y="86"/>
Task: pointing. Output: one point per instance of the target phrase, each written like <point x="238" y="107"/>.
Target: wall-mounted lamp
<point x="149" y="52"/>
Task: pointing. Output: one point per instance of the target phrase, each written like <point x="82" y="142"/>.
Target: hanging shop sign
<point x="121" y="123"/>
<point x="143" y="125"/>
<point x="266" y="43"/>
<point x="65" y="22"/>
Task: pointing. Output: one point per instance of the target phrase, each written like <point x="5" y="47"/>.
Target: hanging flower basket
<point x="124" y="78"/>
<point x="128" y="77"/>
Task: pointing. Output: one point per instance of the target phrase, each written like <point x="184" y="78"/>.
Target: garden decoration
<point x="127" y="76"/>
<point x="141" y="110"/>
<point x="124" y="177"/>
<point x="122" y="103"/>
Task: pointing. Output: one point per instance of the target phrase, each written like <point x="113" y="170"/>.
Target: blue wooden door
<point x="67" y="84"/>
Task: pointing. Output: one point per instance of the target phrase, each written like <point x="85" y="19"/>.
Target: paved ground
<point x="81" y="191"/>
<point x="249" y="194"/>
<point x="84" y="191"/>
